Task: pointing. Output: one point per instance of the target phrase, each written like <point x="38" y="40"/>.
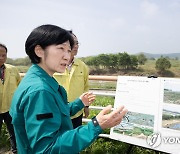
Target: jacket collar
<point x="36" y="69"/>
<point x="76" y="62"/>
<point x="3" y="67"/>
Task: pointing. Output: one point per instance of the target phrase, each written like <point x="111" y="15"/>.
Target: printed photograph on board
<point x="136" y="125"/>
<point x="171" y="105"/>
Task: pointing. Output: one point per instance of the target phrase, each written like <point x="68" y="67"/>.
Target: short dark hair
<point x="3" y="46"/>
<point x="72" y="33"/>
<point x="44" y="36"/>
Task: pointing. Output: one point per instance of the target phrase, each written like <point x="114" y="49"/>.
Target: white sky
<point x="102" y="26"/>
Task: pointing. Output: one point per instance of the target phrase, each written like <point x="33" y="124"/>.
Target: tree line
<point x="124" y="61"/>
<point x="19" y="61"/>
<point x="116" y="62"/>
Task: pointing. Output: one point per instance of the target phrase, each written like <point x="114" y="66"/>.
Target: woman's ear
<point x="39" y="51"/>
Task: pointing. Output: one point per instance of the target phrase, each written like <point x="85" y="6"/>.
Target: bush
<point x="106" y="146"/>
<point x="162" y="64"/>
<point x="4" y="138"/>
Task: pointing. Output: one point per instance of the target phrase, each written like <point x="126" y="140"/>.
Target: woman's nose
<point x="67" y="55"/>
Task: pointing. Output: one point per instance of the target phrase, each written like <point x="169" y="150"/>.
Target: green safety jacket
<point x="41" y="117"/>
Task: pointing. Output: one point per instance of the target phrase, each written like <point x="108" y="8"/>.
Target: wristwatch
<point x="94" y="121"/>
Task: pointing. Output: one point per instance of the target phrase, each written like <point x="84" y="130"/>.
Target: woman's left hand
<point x="87" y="98"/>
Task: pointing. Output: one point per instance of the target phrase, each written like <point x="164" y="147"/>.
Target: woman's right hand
<point x="108" y="119"/>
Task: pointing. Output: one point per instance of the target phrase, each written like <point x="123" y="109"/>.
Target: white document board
<point x="153" y="118"/>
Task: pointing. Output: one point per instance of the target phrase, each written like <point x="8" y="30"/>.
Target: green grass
<point x="110" y="85"/>
<point x="103" y="101"/>
<point x="4" y="138"/>
<point x="106" y="146"/>
<point x="149" y="68"/>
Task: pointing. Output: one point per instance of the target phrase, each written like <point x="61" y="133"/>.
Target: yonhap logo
<point x="154" y="140"/>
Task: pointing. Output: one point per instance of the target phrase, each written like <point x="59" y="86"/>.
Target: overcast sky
<point x="102" y="26"/>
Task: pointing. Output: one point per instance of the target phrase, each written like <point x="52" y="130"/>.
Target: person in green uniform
<point x="40" y="110"/>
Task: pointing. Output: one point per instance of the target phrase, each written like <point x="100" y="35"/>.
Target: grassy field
<point x="149" y="68"/>
<point x="99" y="85"/>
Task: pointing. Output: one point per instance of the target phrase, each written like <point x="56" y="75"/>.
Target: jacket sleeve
<point x="74" y="141"/>
<point x="74" y="106"/>
<point x="49" y="128"/>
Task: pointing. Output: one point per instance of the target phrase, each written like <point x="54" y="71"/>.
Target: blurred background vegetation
<point x="120" y="64"/>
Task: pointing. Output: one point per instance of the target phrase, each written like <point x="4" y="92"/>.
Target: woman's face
<point x="55" y="58"/>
